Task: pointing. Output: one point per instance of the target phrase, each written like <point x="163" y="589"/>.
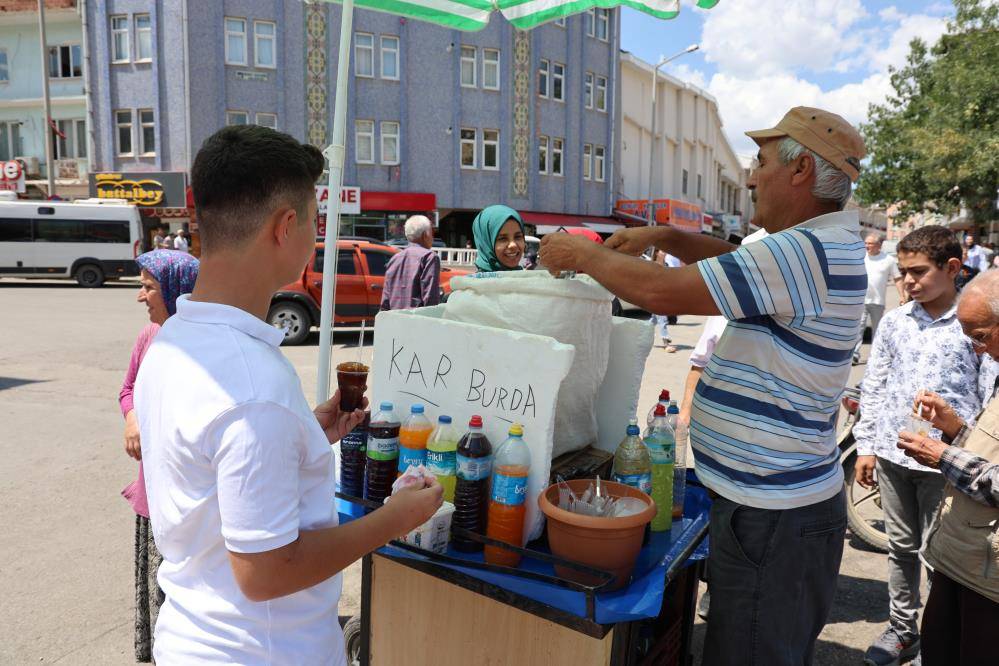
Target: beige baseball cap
<point x="826" y="134"/>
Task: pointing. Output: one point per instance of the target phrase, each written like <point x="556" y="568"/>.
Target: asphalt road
<point x="67" y="550"/>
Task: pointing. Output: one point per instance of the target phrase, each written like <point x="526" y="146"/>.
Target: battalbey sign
<point x="154" y="189"/>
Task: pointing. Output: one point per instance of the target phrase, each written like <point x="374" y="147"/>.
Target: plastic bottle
<point x="663" y="400"/>
<point x="441" y="455"/>
<point x="632" y="464"/>
<point x="681" y="435"/>
<point x="511" y="465"/>
<point x="353" y="458"/>
<point x="383" y="453"/>
<point x="661" y="443"/>
<point x="413" y="436"/>
<point x="471" y="489"/>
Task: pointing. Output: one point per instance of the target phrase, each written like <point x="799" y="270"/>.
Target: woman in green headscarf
<point x="499" y="239"/>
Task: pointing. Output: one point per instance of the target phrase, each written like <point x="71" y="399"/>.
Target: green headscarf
<point x="485" y="229"/>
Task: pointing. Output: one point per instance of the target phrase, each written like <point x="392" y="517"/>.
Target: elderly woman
<point x="165" y="276"/>
<point x="499" y="239"/>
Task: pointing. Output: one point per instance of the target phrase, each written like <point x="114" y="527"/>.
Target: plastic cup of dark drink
<point x="352" y="379"/>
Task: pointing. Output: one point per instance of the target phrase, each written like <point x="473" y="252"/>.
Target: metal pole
<point x="335" y="154"/>
<point x="47" y="132"/>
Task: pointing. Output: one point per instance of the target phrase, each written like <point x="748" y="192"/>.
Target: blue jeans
<point x="772" y="576"/>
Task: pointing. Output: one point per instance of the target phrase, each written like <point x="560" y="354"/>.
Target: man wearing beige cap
<point x="763" y="417"/>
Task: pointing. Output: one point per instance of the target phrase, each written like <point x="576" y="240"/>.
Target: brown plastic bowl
<point x="610" y="544"/>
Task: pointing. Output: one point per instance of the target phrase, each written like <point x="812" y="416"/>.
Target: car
<point x="361" y="265"/>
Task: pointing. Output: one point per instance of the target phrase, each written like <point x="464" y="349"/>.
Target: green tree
<point x="934" y="143"/>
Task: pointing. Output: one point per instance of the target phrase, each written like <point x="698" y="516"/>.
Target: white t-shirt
<point x="234" y="460"/>
<point x="180" y="243"/>
<point x="880" y="268"/>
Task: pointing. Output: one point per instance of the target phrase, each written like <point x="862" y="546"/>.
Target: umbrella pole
<point x="335" y="154"/>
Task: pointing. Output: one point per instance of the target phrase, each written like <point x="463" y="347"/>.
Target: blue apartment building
<point x="439" y="121"/>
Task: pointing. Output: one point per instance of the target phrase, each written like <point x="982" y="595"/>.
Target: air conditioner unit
<point x="31" y="166"/>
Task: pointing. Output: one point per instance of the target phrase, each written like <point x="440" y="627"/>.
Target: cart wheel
<point x="352" y="639"/>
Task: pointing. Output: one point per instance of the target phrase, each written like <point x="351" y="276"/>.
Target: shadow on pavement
<point x="68" y="284"/>
<point x="859" y="599"/>
<point x="827" y="653"/>
<point x="14" y="382"/>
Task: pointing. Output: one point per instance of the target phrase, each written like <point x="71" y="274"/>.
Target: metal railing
<point x="462" y="256"/>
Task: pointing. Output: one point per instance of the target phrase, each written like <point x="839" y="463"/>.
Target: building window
<point x="557" y="157"/>
<point x="264" y="51"/>
<point x="699" y="190"/>
<point x="147" y="132"/>
<point x="267" y="120"/>
<point x="390" y="142"/>
<point x="558" y="81"/>
<point x="543" y="70"/>
<point x="683" y="182"/>
<point x="123" y="120"/>
<point x="587" y="161"/>
<point x="543" y="154"/>
<point x="588" y="21"/>
<point x="560" y="21"/>
<point x="10" y="140"/>
<point x="598" y="163"/>
<point x="119" y="39"/>
<point x="602" y="23"/>
<point x="71" y="140"/>
<point x="65" y="62"/>
<point x="4" y="68"/>
<point x="364" y="141"/>
<point x="235" y="41"/>
<point x="490" y="69"/>
<point x="390" y="58"/>
<point x="468" y="58"/>
<point x="237" y="118"/>
<point x="364" y="55"/>
<point x="143" y="38"/>
<point x="601" y="101"/>
<point x="588" y="90"/>
<point x="468" y="148"/>
<point x="490" y="149"/>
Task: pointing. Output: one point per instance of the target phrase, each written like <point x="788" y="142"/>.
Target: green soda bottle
<point x="441" y="455"/>
<point x="660" y="441"/>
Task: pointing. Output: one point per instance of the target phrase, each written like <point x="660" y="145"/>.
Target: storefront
<point x="547" y="223"/>
<point x="673" y="212"/>
<point x="378" y="215"/>
<point x="163" y="199"/>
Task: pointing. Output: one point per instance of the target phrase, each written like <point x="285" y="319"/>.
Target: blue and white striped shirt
<point x="763" y="420"/>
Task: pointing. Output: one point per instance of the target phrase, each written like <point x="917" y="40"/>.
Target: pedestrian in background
<point x="165" y="275"/>
<point x="180" y="242"/>
<point x="978" y="258"/>
<point x="661" y="322"/>
<point x="413" y="276"/>
<point x="881" y="267"/>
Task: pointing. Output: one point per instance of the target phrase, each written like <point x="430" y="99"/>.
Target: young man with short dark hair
<point x="919" y="345"/>
<point x="239" y="471"/>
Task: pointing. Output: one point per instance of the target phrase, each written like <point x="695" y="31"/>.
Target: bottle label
<point x="355" y="440"/>
<point x="642" y="482"/>
<point x="509" y="490"/>
<point x="411" y="458"/>
<point x="474" y="469"/>
<point x="383" y="449"/>
<point x="661" y="455"/>
<point x="441" y="463"/>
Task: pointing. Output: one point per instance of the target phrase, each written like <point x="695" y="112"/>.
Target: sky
<point x="759" y="58"/>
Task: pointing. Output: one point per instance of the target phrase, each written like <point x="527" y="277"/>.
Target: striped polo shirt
<point x="763" y="421"/>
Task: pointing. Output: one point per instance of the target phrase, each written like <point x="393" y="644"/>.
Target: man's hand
<point x="940" y="413"/>
<point x="633" y="241"/>
<point x="132" y="445"/>
<point x="564" y="252"/>
<point x="335" y="423"/>
<point x="922" y="449"/>
<point x="863" y="471"/>
<point x="411" y="507"/>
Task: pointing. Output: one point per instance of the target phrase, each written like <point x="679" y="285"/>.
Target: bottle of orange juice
<point x="413" y="436"/>
<point x="506" y="501"/>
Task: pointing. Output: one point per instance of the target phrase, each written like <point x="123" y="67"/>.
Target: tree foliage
<point x="934" y="143"/>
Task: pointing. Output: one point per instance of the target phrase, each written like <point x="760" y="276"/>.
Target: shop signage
<point x="245" y="75"/>
<point x="350" y="199"/>
<point x="675" y="213"/>
<point x="153" y="189"/>
<point x="11" y="176"/>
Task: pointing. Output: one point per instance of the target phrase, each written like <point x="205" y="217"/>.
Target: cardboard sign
<point x="463" y="369"/>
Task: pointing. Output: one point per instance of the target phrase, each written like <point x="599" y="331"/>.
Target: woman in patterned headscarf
<point x="166" y="274"/>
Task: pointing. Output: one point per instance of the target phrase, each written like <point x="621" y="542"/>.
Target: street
<point x="67" y="551"/>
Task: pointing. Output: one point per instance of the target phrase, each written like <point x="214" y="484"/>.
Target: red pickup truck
<point x="295" y="308"/>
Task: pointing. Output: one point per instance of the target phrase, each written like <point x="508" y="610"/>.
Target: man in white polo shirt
<point x="239" y="470"/>
<point x="762" y="423"/>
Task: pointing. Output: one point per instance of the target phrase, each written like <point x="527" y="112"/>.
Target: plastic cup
<point x="352" y="379"/>
<point x="918" y="425"/>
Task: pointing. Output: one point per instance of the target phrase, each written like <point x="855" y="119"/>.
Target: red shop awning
<point x="547" y="223"/>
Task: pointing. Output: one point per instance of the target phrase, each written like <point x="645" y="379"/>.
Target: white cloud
<point x="927" y="28"/>
<point x="689" y="74"/>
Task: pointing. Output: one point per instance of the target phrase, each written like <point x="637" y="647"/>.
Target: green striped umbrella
<point x="459" y="14"/>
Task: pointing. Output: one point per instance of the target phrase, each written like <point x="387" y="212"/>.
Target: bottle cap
<point x="664" y="396"/>
<point x="417" y="408"/>
<point x="516" y="430"/>
<point x="385" y="407"/>
<point x="660" y="410"/>
<point x="475" y="422"/>
<point x="673" y="409"/>
<point x="444" y="418"/>
<point x="633" y="430"/>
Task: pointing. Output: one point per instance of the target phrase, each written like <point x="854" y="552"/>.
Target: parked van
<point x="88" y="241"/>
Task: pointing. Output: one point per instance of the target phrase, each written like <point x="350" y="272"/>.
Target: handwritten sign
<point x="462" y="369"/>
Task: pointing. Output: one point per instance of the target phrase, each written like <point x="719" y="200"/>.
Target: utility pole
<point x="49" y="162"/>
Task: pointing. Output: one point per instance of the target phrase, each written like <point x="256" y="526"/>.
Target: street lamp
<point x="652" y="140"/>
